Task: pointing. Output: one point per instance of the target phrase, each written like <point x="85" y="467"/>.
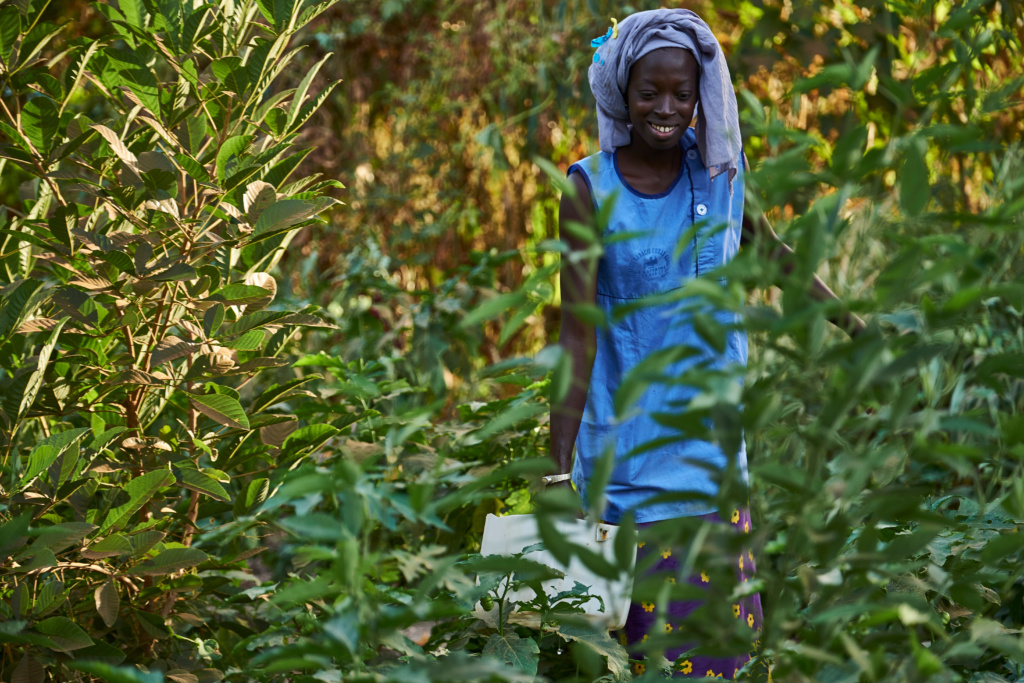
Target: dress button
<point x="701" y="209"/>
<point x="692" y="154"/>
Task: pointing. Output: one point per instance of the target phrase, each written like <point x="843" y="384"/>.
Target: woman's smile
<point x="663" y="130"/>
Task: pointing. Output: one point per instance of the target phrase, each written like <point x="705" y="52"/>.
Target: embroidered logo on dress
<point x="651" y="263"/>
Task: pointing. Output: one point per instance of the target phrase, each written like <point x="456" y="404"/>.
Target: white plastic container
<point x="509" y="535"/>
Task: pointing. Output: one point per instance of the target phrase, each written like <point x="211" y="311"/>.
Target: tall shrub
<point x="137" y="316"/>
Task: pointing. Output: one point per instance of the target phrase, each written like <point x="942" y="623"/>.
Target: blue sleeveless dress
<point x="654" y="244"/>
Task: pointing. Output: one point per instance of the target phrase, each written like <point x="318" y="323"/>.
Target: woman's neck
<point x="649" y="170"/>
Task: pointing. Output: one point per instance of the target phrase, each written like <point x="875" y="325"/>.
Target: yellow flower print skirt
<point x="686" y="654"/>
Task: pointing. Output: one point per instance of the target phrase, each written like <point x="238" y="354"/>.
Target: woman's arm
<point x="578" y="281"/>
<point x="781" y="252"/>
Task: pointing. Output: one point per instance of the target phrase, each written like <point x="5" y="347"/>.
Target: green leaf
<point x="252" y="321"/>
<point x="10" y="27"/>
<point x="34" y="381"/>
<point x="40" y="120"/>
<point x="213" y="319"/>
<point x="250" y="341"/>
<point x="239" y="294"/>
<point x="278" y="13"/>
<point x="255" y="493"/>
<point x="509" y="417"/>
<point x="194" y="480"/>
<point x="62" y="222"/>
<point x="285" y="213"/>
<point x="134" y="12"/>
<point x="521" y="653"/>
<point x="170" y="561"/>
<point x="139" y="490"/>
<point x="303" y="89"/>
<point x="601" y="643"/>
<point x="47" y="451"/>
<point x="111" y="546"/>
<point x="221" y="409"/>
<point x="914" y="188"/>
<point x="14" y="305"/>
<point x="137" y="76"/>
<point x="493" y="307"/>
<point x="50" y="597"/>
<point x="65" y="633"/>
<point x="59" y="537"/>
<point x="276" y="392"/>
<point x="230" y="154"/>
<point x="193" y="168"/>
<point x="108" y="604"/>
<point x="100" y="652"/>
<point x="308" y="438"/>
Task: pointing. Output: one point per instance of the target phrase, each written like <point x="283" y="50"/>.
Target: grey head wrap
<point x="718" y="135"/>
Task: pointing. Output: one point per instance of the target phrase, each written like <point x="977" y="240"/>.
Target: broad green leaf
<point x="303" y="89"/>
<point x="255" y="493"/>
<point x="108" y="603"/>
<point x="221" y="409"/>
<point x="66" y="634"/>
<point x="315" y="526"/>
<point x="62" y="222"/>
<point x="603" y="644"/>
<point x="308" y="438"/>
<point x="212" y="320"/>
<point x="101" y="652"/>
<point x="111" y="546"/>
<point x="134" y="12"/>
<point x="230" y="154"/>
<point x="139" y="490"/>
<point x="42" y="559"/>
<point x="10" y="27"/>
<point x="252" y="321"/>
<point x="250" y="341"/>
<point x="275" y="393"/>
<point x="48" y="450"/>
<point x="285" y="213"/>
<point x="193" y="168"/>
<point x="521" y="653"/>
<point x="914" y="187"/>
<point x="509" y="417"/>
<point x="61" y="536"/>
<point x="195" y="480"/>
<point x="14" y="305"/>
<point x="138" y="77"/>
<point x="40" y="120"/>
<point x="14" y="534"/>
<point x="492" y="308"/>
<point x="239" y="294"/>
<point x="278" y="13"/>
<point x="170" y="561"/>
<point x="50" y="596"/>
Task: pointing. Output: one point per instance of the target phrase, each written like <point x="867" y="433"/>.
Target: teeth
<point x="662" y="129"/>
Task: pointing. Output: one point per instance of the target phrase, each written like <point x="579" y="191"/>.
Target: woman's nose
<point x="664" y="106"/>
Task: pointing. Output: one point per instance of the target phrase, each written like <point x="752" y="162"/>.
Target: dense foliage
<point x="239" y="443"/>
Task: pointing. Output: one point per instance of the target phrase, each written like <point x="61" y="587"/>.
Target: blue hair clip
<point x="612" y="34"/>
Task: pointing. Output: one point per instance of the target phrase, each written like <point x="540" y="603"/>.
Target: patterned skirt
<point x="685" y="658"/>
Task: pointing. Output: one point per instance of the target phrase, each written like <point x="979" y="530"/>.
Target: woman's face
<point x="662" y="95"/>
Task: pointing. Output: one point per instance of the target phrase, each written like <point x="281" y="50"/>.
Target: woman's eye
<point x="683" y="96"/>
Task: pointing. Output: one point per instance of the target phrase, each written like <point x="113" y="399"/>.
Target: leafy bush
<point x="162" y="520"/>
<point x="139" y="333"/>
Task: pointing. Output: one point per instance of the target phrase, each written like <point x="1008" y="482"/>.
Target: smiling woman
<point x="673" y="197"/>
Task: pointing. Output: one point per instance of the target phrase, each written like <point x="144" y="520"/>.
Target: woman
<point x="673" y="199"/>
